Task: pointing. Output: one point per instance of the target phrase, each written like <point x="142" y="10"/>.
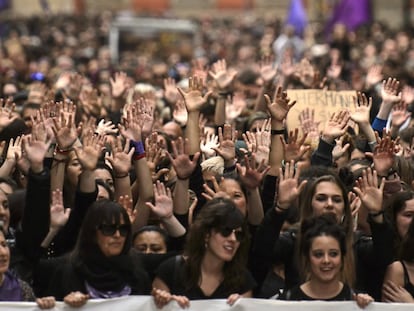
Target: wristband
<point x="137" y="156"/>
<point x="277" y="132"/>
<point x="281" y="209"/>
<point x="381" y="212"/>
<point x="121" y="176"/>
<point x="139" y="147"/>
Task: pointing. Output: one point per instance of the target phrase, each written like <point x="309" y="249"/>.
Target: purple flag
<point x="297" y="16"/>
<point x="351" y="13"/>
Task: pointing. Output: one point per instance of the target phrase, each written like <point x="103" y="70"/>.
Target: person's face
<point x="222" y="247"/>
<point x="111" y="244"/>
<point x="325" y="259"/>
<point x="4" y="211"/>
<point x="26" y="114"/>
<point x="150" y="242"/>
<point x="106" y="176"/>
<point x="328" y="199"/>
<point x="102" y="193"/>
<point x="6" y="188"/>
<point x="404" y="217"/>
<point x="4" y="254"/>
<point x="73" y="170"/>
<point x="235" y="193"/>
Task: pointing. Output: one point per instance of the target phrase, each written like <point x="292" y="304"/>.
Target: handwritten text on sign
<point x="325" y="103"/>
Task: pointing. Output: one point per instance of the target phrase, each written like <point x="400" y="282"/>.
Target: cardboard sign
<point x="325" y="103"/>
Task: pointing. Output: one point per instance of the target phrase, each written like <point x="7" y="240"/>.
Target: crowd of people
<point x="177" y="176"/>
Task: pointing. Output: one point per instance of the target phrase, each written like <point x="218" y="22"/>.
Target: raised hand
<point x="120" y="156"/>
<point x="339" y="149"/>
<point x="208" y="143"/>
<point x="289" y="187"/>
<point x="105" y="128"/>
<point x="263" y="143"/>
<point x="89" y="153"/>
<point x="253" y="174"/>
<point x="119" y="84"/>
<point x="180" y="158"/>
<point x="64" y="126"/>
<point x="383" y="156"/>
<point x="336" y="126"/>
<point x="163" y="206"/>
<point x="370" y="191"/>
<point x="180" y="113"/>
<point x="374" y="75"/>
<point x="362" y="109"/>
<point x="227" y="137"/>
<point x="7" y="115"/>
<point x="399" y="115"/>
<point x="35" y="150"/>
<point x="235" y="106"/>
<point x="268" y="70"/>
<point x="91" y="103"/>
<point x="193" y="98"/>
<point x="199" y="69"/>
<point x="222" y="75"/>
<point x="59" y="216"/>
<point x="280" y="105"/>
<point x="132" y="127"/>
<point x="389" y="92"/>
<point x="170" y="91"/>
<point x="14" y="151"/>
<point x="294" y="149"/>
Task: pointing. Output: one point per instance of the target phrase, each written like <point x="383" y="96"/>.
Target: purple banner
<point x="351" y="13"/>
<point x="297" y="16"/>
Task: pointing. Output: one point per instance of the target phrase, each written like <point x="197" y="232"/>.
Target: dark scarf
<point x="107" y="273"/>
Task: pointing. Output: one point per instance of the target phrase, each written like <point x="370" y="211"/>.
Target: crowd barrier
<point x="145" y="303"/>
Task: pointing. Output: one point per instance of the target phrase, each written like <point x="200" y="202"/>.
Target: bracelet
<point x="121" y="176"/>
<point x="138" y="156"/>
<point x="277" y="132"/>
<point x="281" y="209"/>
<point x="381" y="212"/>
<point x="139" y="147"/>
<point x="63" y="151"/>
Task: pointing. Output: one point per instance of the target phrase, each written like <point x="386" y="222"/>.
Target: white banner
<point x="145" y="303"/>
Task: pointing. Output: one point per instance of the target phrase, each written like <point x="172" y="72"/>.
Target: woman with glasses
<point x="214" y="261"/>
<point x="101" y="265"/>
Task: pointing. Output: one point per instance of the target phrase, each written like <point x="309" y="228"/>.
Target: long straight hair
<point x="307" y="212"/>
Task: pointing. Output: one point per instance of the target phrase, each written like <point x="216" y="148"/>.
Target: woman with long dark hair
<point x="214" y="261"/>
<point x="101" y="265"/>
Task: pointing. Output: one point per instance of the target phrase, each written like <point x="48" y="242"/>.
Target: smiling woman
<point x="322" y="251"/>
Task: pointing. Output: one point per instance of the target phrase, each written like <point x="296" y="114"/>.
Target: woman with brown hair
<point x="214" y="261"/>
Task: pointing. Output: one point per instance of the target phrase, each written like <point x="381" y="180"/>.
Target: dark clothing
<point x="372" y="253"/>
<point x="60" y="276"/>
<point x="407" y="283"/>
<point x="297" y="294"/>
<point x="172" y="273"/>
<point x="25" y="242"/>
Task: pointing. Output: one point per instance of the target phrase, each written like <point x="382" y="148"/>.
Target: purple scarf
<point x="10" y="290"/>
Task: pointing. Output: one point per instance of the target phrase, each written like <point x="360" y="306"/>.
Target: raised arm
<point x="278" y="108"/>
